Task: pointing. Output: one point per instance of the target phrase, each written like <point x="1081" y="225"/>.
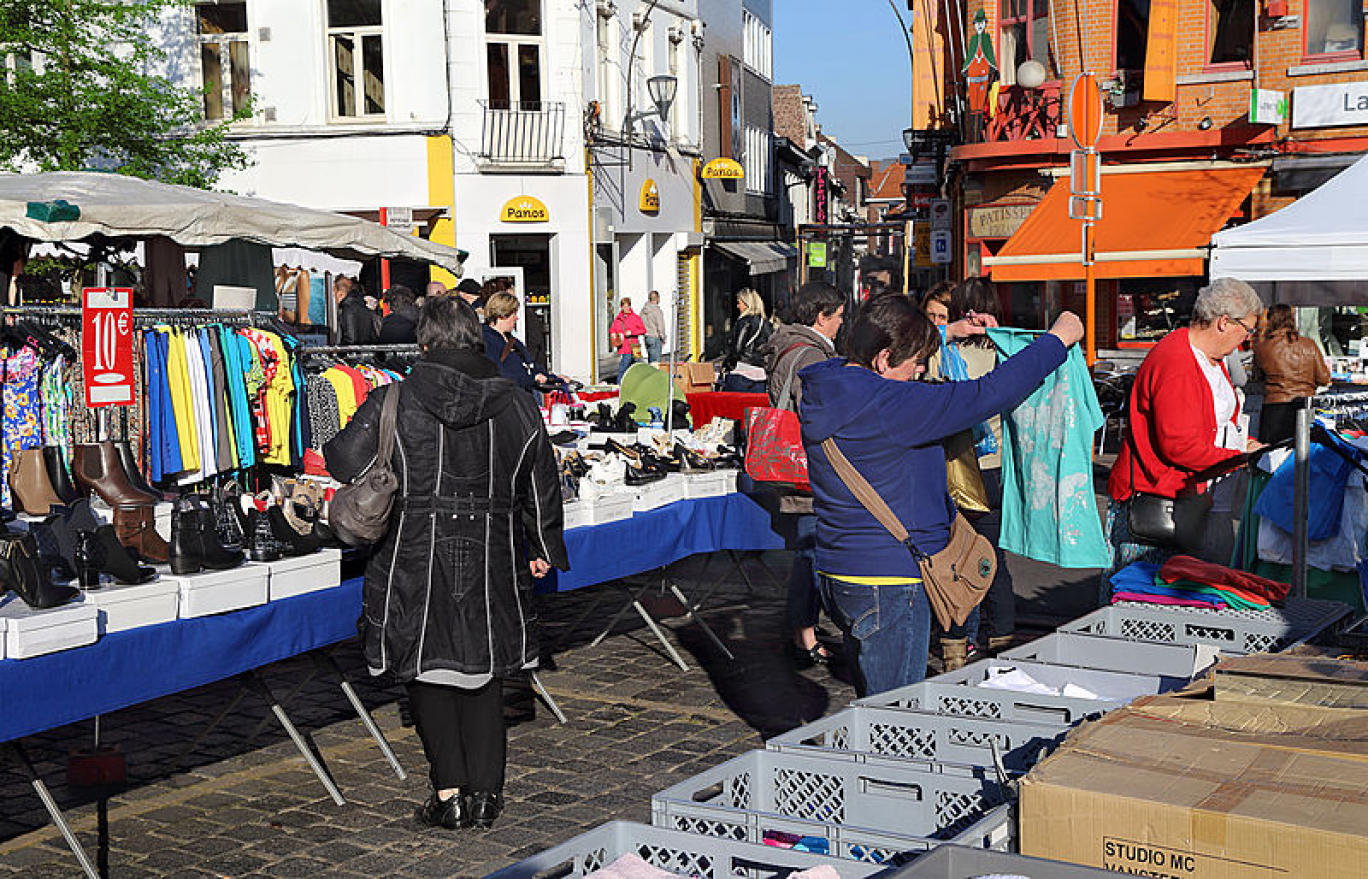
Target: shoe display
<point x="484" y="808"/>
<point x="29" y="482"/>
<point x="22" y="573"/>
<point x="111" y="557"/>
<point x="691" y="460"/>
<point x="291" y="542"/>
<point x="97" y="467"/>
<point x="623" y="422"/>
<point x="87" y="571"/>
<point x="136" y="528"/>
<point x="59" y="475"/>
<point x="194" y="544"/>
<point x="52" y="554"/>
<point x="637" y="476"/>
<point x="229" y="522"/>
<point x="450" y="814"/>
<point x="261" y="544"/>
<point x="131" y="469"/>
<point x="563" y="438"/>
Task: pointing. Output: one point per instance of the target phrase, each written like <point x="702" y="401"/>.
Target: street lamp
<point x="662" y="89"/>
<point x="909" y="138"/>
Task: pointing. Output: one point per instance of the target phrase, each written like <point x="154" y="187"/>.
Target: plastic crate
<point x="688" y="854"/>
<point x="957" y="862"/>
<point x="865" y="812"/>
<point x="959" y="692"/>
<point x="1084" y="650"/>
<point x="1233" y="631"/>
<point x="936" y="741"/>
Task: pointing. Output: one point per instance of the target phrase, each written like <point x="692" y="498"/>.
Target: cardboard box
<point x="1149" y="797"/>
<point x="693" y="378"/>
<point x="1304" y="680"/>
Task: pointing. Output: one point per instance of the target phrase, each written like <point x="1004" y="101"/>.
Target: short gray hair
<point x="1225" y="296"/>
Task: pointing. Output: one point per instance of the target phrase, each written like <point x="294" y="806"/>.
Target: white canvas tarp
<point x="1320" y="237"/>
<point x="127" y="207"/>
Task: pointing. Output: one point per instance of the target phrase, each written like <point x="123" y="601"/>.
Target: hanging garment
<point x="346" y="393"/>
<point x="1049" y="511"/>
<point x="1329" y="474"/>
<point x="55" y="392"/>
<point x="178" y="372"/>
<point x="226" y="449"/>
<point x="201" y="409"/>
<point x="1342" y="552"/>
<point x="318" y="301"/>
<point x="237" y="362"/>
<point x="163" y="447"/>
<point x="237" y="263"/>
<point x="324" y="420"/>
<point x="165" y="278"/>
<point x="22" y="411"/>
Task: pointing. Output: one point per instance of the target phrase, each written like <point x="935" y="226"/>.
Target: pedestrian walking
<point x="654" y="321"/>
<point x="623" y="334"/>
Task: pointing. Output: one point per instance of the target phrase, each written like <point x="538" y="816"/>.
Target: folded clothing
<point x="1172" y="601"/>
<point x="1236" y="598"/>
<point x="1187" y="568"/>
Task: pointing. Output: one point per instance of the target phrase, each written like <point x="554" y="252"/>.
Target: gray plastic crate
<point x="1233" y="631"/>
<point x="688" y="854"/>
<point x="959" y="692"/>
<point x="1085" y="650"/>
<point x="958" y="862"/>
<point x="865" y="812"/>
<point x="936" y="741"/>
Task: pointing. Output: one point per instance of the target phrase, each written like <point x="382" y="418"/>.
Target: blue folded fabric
<point x="1329" y="475"/>
<point x="1134" y="577"/>
<point x="1175" y="592"/>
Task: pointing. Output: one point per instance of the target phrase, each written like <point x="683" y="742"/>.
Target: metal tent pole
<point x="1301" y="499"/>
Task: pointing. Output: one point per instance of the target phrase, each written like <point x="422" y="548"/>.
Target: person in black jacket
<point x="400" y="326"/>
<point x="355" y="320"/>
<point x="745" y="361"/>
<point x="507" y="351"/>
<point x="448" y="607"/>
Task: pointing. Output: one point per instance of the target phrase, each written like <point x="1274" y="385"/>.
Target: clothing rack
<point x="141" y="316"/>
<point x="1346" y="401"/>
<point x="359" y="349"/>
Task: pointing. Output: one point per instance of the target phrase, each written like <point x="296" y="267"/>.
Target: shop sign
<point x="940" y="213"/>
<point x="524" y="209"/>
<point x="399" y="219"/>
<point x="650" y="197"/>
<point x="817" y="254"/>
<point x="820" y="197"/>
<point x="997" y="220"/>
<point x="723" y="169"/>
<point x="921" y="245"/>
<point x="107" y="346"/>
<point x="1267" y="107"/>
<point x="940" y="246"/>
<point x="920" y="173"/>
<point x="1340" y="103"/>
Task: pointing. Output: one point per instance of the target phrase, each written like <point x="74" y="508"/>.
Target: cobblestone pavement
<point x="245" y="803"/>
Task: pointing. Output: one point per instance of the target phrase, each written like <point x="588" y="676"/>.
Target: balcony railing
<point x="528" y="134"/>
<point x="1025" y="114"/>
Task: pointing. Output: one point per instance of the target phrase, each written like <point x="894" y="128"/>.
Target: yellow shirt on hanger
<point x="346" y="394"/>
<point x="178" y="377"/>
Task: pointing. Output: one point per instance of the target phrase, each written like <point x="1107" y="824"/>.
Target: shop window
<point x="757" y="160"/>
<point x="1132" y="33"/>
<point x="1147" y="309"/>
<point x="225" y="72"/>
<point x="1024" y="26"/>
<point x="1334" y="27"/>
<point x="757" y="45"/>
<point x="357" y="53"/>
<point x="513" y="54"/>
<point x="1230" y="32"/>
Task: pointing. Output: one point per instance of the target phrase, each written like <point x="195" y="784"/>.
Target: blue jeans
<point x="804" y="596"/>
<point x="653" y="346"/>
<point x="886" y="628"/>
<point x="624" y="364"/>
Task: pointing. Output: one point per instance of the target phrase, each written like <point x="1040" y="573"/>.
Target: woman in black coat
<point x="448" y="590"/>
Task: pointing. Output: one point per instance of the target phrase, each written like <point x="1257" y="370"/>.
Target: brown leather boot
<point x="30" y="485"/>
<point x="136" y="528"/>
<point x="999" y="643"/>
<point x="97" y="467"/>
<point x="953" y="652"/>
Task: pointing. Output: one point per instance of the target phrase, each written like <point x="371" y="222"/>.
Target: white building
<point x="470" y="116"/>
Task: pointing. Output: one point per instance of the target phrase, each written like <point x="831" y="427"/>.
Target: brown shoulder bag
<point x="359" y="513"/>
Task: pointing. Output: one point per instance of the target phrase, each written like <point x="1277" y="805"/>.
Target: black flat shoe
<point x="612" y="445"/>
<point x="807" y="657"/>
<point x="483" y="808"/>
<point x="636" y="477"/>
<point x="449" y="814"/>
<point x="563" y="438"/>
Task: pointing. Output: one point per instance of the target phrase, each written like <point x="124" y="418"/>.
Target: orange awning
<point x="1153" y="224"/>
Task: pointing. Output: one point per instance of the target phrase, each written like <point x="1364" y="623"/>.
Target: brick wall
<point x="790" y="116"/>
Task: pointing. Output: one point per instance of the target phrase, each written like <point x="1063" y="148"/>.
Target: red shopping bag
<point x="774" y="447"/>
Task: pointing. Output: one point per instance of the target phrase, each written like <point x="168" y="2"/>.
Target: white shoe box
<point x="212" y="592"/>
<point x="659" y="493"/>
<point x="614" y="507"/>
<point x="577" y="514"/>
<point x="123" y="607"/>
<point x="32" y="632"/>
<point x="305" y="573"/>
<point x="711" y="483"/>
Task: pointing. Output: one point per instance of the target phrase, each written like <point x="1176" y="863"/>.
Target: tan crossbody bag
<point x="956" y="578"/>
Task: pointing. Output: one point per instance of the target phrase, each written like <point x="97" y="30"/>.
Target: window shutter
<point x="724" y="106"/>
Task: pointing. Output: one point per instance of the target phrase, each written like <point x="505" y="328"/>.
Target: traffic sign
<point x="940" y="213"/>
<point x="1085" y="111"/>
<point x="940" y="246"/>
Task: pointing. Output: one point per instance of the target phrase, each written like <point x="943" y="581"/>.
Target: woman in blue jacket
<point x="507" y="351"/>
<point x="891" y="428"/>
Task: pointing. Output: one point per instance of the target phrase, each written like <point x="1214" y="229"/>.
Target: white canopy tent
<point x="127" y="207"/>
<point x="1312" y="252"/>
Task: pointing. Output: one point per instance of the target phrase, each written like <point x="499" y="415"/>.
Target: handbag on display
<point x="359" y="513"/>
<point x="774" y="440"/>
<point x="963" y="477"/>
<point x="957" y="578"/>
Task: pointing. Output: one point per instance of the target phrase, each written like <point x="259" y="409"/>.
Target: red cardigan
<point x="1172" y="431"/>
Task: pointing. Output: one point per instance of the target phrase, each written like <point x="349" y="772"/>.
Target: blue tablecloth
<point x="653" y="539"/>
<point x="126" y="668"/>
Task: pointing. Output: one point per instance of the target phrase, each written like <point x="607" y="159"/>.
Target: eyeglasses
<point x="1249" y="331"/>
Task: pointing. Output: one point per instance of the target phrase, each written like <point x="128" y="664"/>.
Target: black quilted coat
<point x="448" y="589"/>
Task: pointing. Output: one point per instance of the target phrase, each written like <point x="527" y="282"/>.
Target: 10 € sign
<point x="107" y="346"/>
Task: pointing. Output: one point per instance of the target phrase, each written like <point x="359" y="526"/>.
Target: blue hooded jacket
<point x="891" y="432"/>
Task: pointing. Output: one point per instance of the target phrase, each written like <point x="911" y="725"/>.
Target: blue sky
<point x="849" y="55"/>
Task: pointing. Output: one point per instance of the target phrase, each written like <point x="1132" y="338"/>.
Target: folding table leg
<point x="617" y="616"/>
<point x="546" y="697"/>
<point x="210" y="727"/>
<point x="324" y="659"/>
<point x="660" y="635"/>
<point x="257" y="684"/>
<point x="740" y="569"/>
<point x="289" y="697"/>
<point x="19" y="756"/>
<point x="689" y="609"/>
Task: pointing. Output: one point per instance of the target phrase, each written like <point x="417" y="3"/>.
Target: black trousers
<point x="463" y="734"/>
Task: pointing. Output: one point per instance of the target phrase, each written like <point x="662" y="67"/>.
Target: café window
<point x="225" y="73"/>
<point x="1230" y="32"/>
<point x="1132" y="33"/>
<point x="357" y="51"/>
<point x="1025" y="29"/>
<point x="513" y="53"/>
<point x="1147" y="309"/>
<point x="1334" y="27"/>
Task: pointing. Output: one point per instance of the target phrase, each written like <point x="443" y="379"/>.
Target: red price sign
<point x="107" y="346"/>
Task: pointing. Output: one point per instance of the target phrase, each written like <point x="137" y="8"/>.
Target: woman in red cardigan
<point x="1184" y="414"/>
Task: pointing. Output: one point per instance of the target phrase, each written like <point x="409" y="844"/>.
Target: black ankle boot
<point x="55" y="553"/>
<point x="484" y="807"/>
<point x="21" y="572"/>
<point x="194" y="545"/>
<point x="261" y="543"/>
<point x="113" y="558"/>
<point x="226" y="509"/>
<point x="292" y="543"/>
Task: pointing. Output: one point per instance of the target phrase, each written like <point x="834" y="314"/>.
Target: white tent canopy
<point x="1318" y="245"/>
<point x="127" y="207"/>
